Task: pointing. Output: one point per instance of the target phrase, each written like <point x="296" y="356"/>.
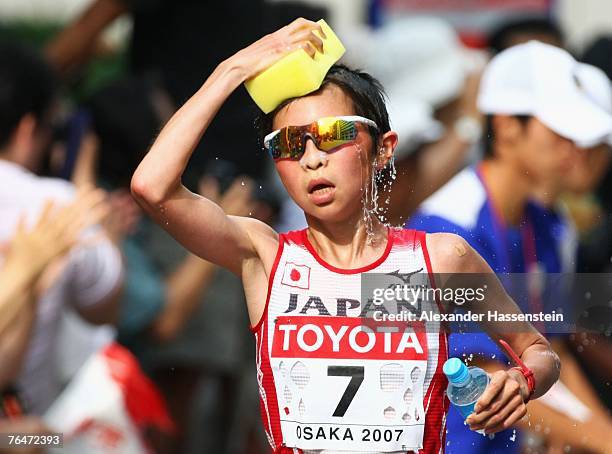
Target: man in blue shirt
<point x="536" y="113"/>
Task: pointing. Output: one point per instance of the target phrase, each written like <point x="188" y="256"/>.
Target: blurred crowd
<point x="83" y="267"/>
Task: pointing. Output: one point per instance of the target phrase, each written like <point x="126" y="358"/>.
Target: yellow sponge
<point x="296" y="74"/>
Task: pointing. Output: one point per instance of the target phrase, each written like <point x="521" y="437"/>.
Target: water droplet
<point x="370" y="201"/>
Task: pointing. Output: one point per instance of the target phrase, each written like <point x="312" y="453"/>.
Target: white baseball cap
<point x="597" y="88"/>
<point x="542" y="80"/>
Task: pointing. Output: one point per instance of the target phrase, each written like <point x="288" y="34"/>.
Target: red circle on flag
<point x="295" y="275"/>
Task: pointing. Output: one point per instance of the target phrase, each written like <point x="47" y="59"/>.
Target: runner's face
<point x="543" y="155"/>
<point x="328" y="186"/>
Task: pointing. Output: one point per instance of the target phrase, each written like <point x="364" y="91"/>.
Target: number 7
<point x="356" y="374"/>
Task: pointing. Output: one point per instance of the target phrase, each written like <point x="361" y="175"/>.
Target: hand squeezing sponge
<point x="296" y="74"/>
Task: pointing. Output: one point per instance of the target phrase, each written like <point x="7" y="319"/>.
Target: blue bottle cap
<point x="456" y="371"/>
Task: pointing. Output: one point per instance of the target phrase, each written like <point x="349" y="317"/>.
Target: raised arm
<point x="198" y="223"/>
<point x="503" y="403"/>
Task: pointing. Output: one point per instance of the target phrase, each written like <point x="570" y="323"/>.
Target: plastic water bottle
<point x="465" y="385"/>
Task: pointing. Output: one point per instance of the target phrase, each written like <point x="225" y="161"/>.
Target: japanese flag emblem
<point x="296" y="276"/>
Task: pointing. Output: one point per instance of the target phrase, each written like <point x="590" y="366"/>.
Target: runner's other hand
<point x="502" y="404"/>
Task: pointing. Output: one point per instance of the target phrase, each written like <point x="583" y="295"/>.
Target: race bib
<point x="347" y="384"/>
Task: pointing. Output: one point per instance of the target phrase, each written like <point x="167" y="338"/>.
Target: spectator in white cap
<point x="561" y="195"/>
<point x="587" y="167"/>
<point x="536" y="113"/>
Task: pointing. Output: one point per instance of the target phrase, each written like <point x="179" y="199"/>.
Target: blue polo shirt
<point x="463" y="207"/>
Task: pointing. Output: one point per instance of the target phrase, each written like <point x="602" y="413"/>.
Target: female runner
<point x="331" y="379"/>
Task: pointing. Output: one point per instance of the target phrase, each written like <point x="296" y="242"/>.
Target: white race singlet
<point x="333" y="381"/>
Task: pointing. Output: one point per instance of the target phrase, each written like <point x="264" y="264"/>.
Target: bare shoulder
<point x="256" y="271"/>
<point x="450" y="253"/>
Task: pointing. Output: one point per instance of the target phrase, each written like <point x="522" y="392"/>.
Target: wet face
<point x="326" y="185"/>
<point x="543" y="155"/>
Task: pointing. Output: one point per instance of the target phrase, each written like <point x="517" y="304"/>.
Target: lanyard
<point x="528" y="249"/>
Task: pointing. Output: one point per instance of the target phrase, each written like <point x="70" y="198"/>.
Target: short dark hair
<point x="27" y="86"/>
<point x="366" y="93"/>
<point x="500" y="37"/>
<point x="489" y="134"/>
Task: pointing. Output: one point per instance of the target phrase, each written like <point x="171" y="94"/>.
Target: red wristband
<point x="527" y="372"/>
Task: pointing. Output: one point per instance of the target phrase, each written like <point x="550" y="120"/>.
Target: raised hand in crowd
<point x="28" y="255"/>
<point x="57" y="229"/>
